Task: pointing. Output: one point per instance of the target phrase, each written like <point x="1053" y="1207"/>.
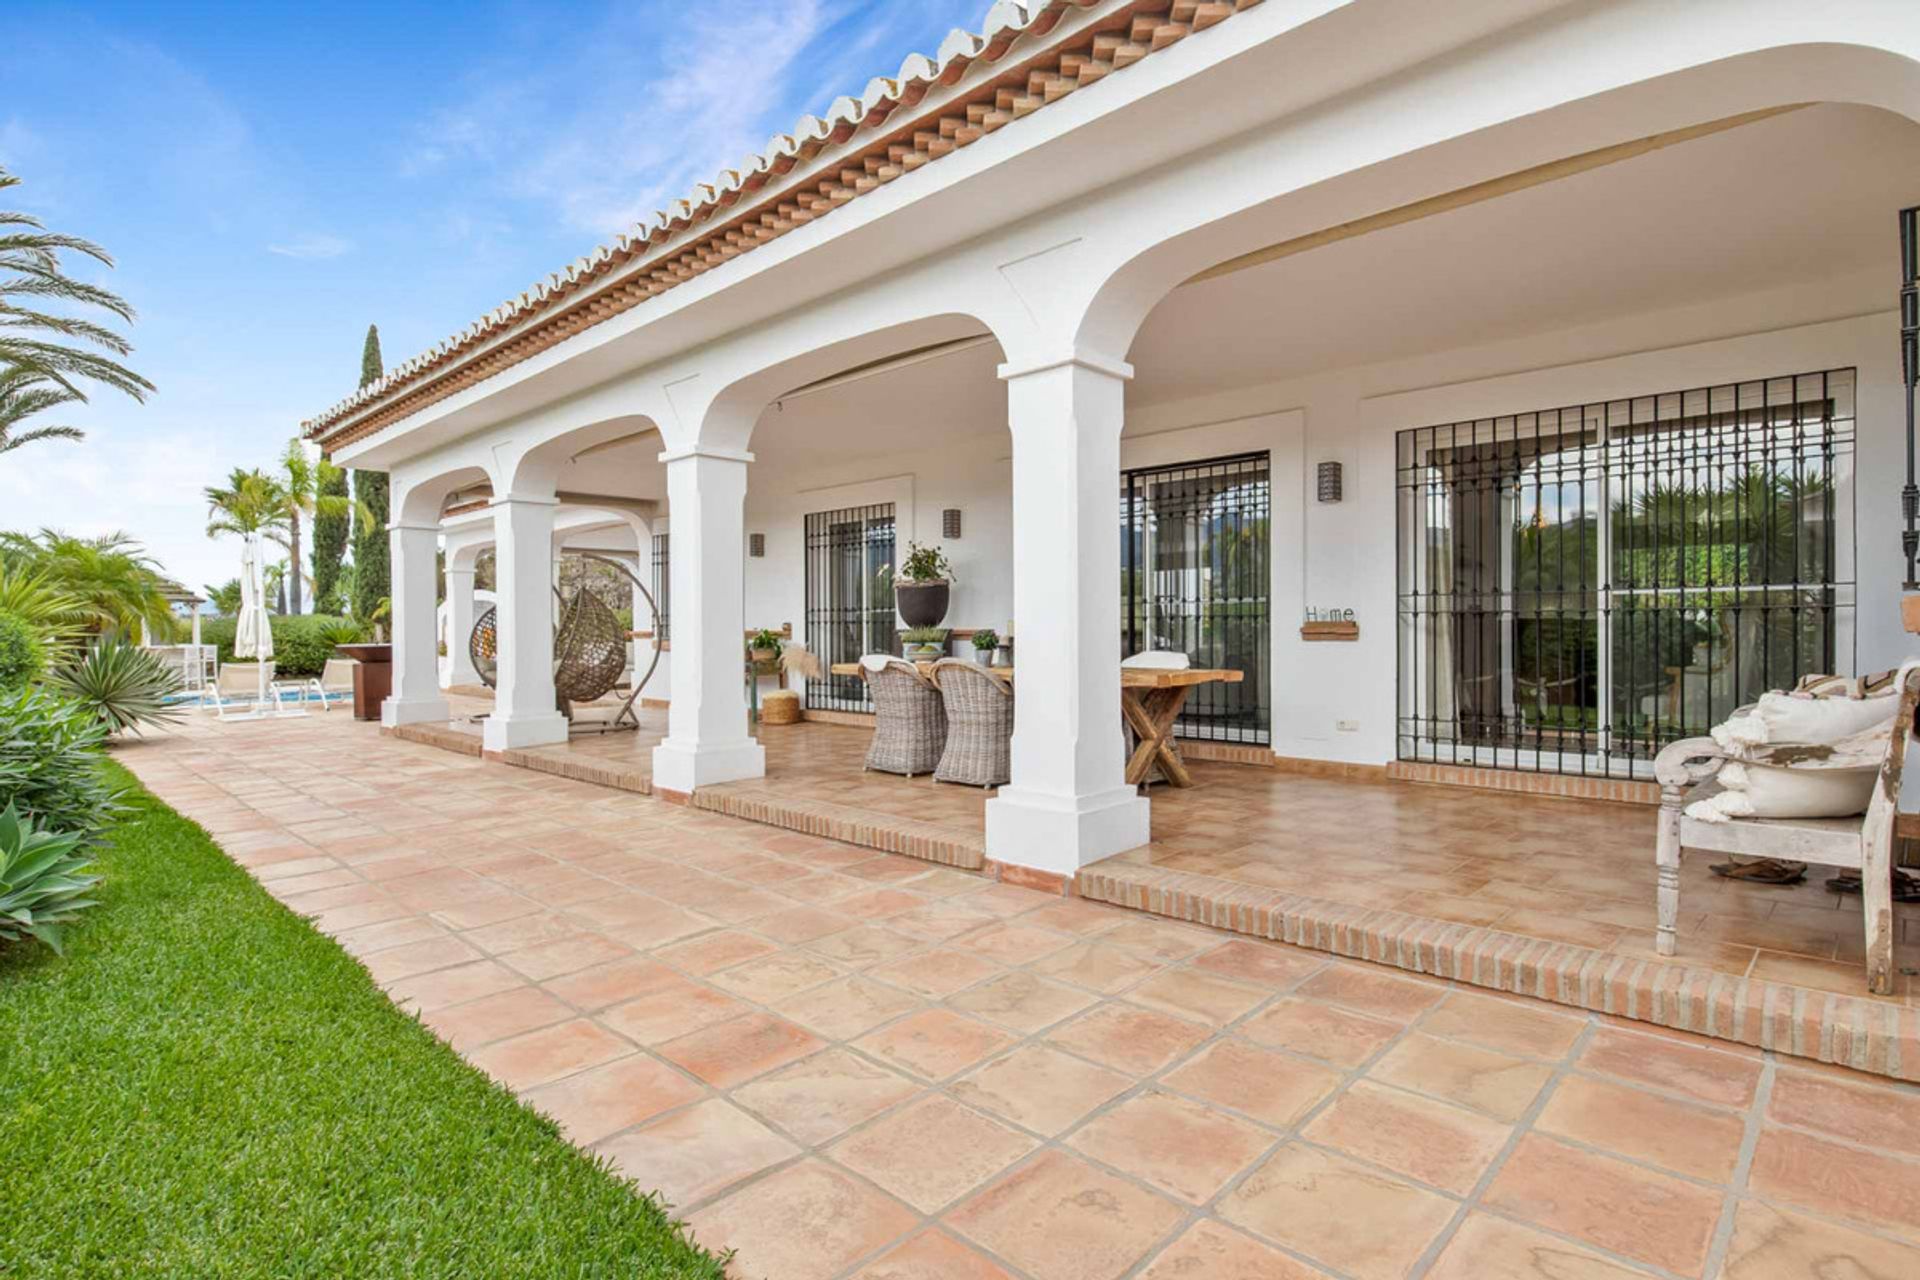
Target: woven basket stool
<point x="782" y="706"/>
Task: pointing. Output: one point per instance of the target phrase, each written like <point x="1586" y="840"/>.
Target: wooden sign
<point x="1329" y="631"/>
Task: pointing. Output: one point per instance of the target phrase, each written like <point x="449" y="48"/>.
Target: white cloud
<point x="313" y="246"/>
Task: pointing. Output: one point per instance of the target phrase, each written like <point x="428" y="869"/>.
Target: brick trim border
<point x="1849" y="1031"/>
<point x="844" y="822"/>
<point x="1565" y="786"/>
<point x="1339" y="769"/>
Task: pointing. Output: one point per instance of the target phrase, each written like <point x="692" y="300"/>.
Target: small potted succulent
<point x="985" y="641"/>
<point x="924" y="644"/>
<point x="921" y="588"/>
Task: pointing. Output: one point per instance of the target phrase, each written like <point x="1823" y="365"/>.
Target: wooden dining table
<point x="1150" y="702"/>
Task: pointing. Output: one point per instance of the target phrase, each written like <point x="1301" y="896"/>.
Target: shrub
<point x="124" y="686"/>
<point x="50" y="756"/>
<point x="43" y="880"/>
<point x="302" y="643"/>
<point x="21" y="654"/>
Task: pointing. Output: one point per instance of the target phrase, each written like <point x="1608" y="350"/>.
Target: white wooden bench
<point x="1686" y="771"/>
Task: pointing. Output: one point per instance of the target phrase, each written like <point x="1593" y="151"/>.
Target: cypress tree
<point x="372" y="570"/>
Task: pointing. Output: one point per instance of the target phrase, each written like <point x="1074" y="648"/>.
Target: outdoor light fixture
<point x="1327" y="477"/>
<point x="757" y="545"/>
<point x="950" y="523"/>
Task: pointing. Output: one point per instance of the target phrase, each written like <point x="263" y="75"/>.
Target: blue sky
<point x="273" y="178"/>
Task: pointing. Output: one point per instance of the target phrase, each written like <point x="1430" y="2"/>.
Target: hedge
<point x="302" y="643"/>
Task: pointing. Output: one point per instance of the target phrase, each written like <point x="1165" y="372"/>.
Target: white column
<point x="707" y="740"/>
<point x="196" y="624"/>
<point x="460" y="626"/>
<point x="1068" y="803"/>
<point x="524" y="711"/>
<point x="416" y="666"/>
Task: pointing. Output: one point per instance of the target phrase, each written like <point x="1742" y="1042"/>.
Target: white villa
<point x="1555" y="344"/>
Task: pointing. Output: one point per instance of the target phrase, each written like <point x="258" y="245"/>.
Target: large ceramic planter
<point x="921" y="604"/>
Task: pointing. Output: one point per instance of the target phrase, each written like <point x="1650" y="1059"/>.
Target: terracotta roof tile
<point x="566" y="302"/>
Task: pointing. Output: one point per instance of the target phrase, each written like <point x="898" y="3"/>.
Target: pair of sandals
<point x="1906" y="888"/>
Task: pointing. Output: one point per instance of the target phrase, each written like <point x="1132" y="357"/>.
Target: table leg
<point x="1151" y="713"/>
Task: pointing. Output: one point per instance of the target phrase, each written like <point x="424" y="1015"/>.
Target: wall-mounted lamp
<point x="757" y="545"/>
<point x="1327" y="481"/>
<point x="950" y="523"/>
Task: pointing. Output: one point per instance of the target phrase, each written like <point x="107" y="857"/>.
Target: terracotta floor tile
<point x="807" y="1222"/>
<point x="1373" y="991"/>
<point x="606" y="1099"/>
<point x="606" y="984"/>
<point x="1505" y="1025"/>
<point x="932" y="1255"/>
<point x="1502" y="1086"/>
<point x="1021" y="1000"/>
<point x="1872" y="1115"/>
<point x="1350" y="1218"/>
<point x="728" y="1053"/>
<point x="1077" y="917"/>
<point x="1040" y="1088"/>
<point x="368" y="939"/>
<point x="1191" y="993"/>
<point x="564" y="955"/>
<point x="712" y="951"/>
<point x="523" y="931"/>
<point x="876" y="904"/>
<point x="935" y="1043"/>
<point x="1015" y="943"/>
<point x="819" y="1098"/>
<point x="1648" y="1216"/>
<point x="1136" y="1041"/>
<point x="1211" y="1250"/>
<point x="1060" y="1218"/>
<point x="1158" y="939"/>
<point x="1269" y="964"/>
<point x="1108" y="970"/>
<point x="936" y="974"/>
<point x="1270" y="1087"/>
<point x="1333" y="1035"/>
<point x="801" y="924"/>
<point x="1841" y="1182"/>
<point x="443" y="987"/>
<point x="495" y="1017"/>
<point x="1434" y="1142"/>
<point x="549" y="1053"/>
<point x="774" y="978"/>
<point x="694" y="1153"/>
<point x="671" y="1013"/>
<point x="848" y="1008"/>
<point x="1698" y="1141"/>
<point x="1490" y="1248"/>
<point x="863" y="945"/>
<point x="441" y="952"/>
<point x="932" y="1152"/>
<point x="1181" y="1148"/>
<point x="1773" y="1244"/>
<point x="1724" y="1079"/>
<point x="1821" y="975"/>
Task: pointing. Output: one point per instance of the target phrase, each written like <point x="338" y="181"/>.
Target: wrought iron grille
<point x="662" y="584"/>
<point x="849" y="598"/>
<point x="1195" y="550"/>
<point x="1579" y="587"/>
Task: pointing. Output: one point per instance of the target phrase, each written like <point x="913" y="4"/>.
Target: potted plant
<point x="985" y="641"/>
<point x="921" y="587"/>
<point x="763" y="647"/>
<point x="924" y="644"/>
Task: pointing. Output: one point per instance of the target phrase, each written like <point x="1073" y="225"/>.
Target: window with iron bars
<point x="1196" y="578"/>
<point x="1579" y="587"/>
<point x="662" y="585"/>
<point x="849" y="597"/>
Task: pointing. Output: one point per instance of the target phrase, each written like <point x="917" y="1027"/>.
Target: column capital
<point x="1081" y="359"/>
<point x="522" y="499"/>
<point x="705" y="451"/>
<point x="412" y="526"/>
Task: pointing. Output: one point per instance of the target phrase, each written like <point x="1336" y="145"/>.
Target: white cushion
<point x="1786" y="717"/>
<point x="876" y="661"/>
<point x="1159" y="659"/>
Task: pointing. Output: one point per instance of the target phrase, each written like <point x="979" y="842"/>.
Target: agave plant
<point x="341" y="631"/>
<point x="43" y="881"/>
<point x="126" y="687"/>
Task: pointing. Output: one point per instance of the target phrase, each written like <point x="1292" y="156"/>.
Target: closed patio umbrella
<point x="253" y="635"/>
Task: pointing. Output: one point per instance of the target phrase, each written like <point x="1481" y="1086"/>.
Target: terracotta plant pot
<point x="921" y="604"/>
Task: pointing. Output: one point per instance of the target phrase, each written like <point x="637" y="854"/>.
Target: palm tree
<point x="23" y="394"/>
<point x="250" y="502"/>
<point x="50" y="346"/>
<point x="310" y="486"/>
<point x="116" y="582"/>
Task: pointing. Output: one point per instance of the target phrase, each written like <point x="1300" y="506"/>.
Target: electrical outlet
<point x="1347" y="726"/>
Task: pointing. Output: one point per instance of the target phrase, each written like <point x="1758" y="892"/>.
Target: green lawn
<point x="204" y="1086"/>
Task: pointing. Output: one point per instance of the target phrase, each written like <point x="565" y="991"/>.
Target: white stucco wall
<point x="1343" y="555"/>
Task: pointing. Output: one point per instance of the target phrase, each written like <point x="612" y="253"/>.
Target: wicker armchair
<point x="909" y="722"/>
<point x="979" y="724"/>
